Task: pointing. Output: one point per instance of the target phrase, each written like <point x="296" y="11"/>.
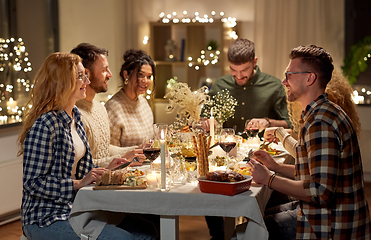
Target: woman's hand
<point x="259" y="172"/>
<point x="130" y="155"/>
<point x="116" y="162"/>
<point x="269" y="135"/>
<point x="90" y="178"/>
<point x="135" y="153"/>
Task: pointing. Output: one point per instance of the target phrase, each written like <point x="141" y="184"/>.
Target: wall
<point x="102" y="23"/>
<point x="119" y="25"/>
<point x="10" y="174"/>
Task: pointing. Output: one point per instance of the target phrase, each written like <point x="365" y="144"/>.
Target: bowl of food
<point x="227" y="183"/>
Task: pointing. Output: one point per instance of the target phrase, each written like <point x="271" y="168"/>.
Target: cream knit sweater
<point x="288" y="142"/>
<point x="130" y="120"/>
<point x="96" y="124"/>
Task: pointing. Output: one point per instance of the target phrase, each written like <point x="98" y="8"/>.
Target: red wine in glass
<point x="227" y="146"/>
<point x="151" y="153"/>
<point x="252" y="132"/>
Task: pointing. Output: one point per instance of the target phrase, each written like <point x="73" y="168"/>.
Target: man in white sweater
<point x="94" y="114"/>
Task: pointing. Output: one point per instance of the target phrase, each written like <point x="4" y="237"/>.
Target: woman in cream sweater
<point x="131" y="117"/>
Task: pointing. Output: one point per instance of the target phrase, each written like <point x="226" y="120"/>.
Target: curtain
<point x="281" y="25"/>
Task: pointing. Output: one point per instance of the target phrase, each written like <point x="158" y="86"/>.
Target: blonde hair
<point x="53" y="85"/>
<point x="340" y="92"/>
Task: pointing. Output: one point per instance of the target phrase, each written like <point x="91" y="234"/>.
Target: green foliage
<point x="356" y="61"/>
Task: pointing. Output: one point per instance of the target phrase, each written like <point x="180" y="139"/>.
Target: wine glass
<point x="151" y="148"/>
<point x="252" y="130"/>
<point x="227" y="140"/>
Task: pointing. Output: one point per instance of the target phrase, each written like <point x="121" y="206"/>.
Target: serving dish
<point x="224" y="188"/>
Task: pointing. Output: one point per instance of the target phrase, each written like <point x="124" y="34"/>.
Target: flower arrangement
<point x="189" y="103"/>
<point x="223" y="105"/>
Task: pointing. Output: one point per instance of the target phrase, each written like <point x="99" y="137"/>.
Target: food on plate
<point x="224" y="176"/>
<point x="121" y="177"/>
<point x="244" y="171"/>
<point x="105" y="178"/>
<point x="220" y="161"/>
<point x="185" y="152"/>
<point x="271" y="150"/>
<point x="185" y="129"/>
<point x="118" y="178"/>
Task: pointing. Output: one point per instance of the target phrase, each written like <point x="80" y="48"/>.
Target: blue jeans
<point x="131" y="227"/>
<point x="281" y="220"/>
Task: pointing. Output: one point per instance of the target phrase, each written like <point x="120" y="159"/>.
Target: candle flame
<point x="162" y="135"/>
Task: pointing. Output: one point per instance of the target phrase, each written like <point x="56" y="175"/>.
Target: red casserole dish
<point x="224" y="188"/>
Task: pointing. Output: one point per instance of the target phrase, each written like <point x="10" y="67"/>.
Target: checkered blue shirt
<point x="47" y="166"/>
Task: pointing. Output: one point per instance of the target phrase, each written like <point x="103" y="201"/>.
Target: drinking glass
<point x="227" y="140"/>
<point x="252" y="130"/>
<point x="151" y="148"/>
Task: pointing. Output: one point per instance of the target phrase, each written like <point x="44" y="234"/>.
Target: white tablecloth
<point x="104" y="205"/>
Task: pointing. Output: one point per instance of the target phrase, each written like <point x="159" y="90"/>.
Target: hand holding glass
<point x="252" y="128"/>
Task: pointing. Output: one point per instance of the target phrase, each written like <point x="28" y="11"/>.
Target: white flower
<point x="223" y="105"/>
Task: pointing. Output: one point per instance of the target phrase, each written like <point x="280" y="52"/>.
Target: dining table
<point x="92" y="209"/>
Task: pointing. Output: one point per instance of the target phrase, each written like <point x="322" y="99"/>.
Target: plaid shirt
<point x="47" y="165"/>
<point x="329" y="162"/>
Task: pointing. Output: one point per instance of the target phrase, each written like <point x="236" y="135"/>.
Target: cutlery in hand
<point x="126" y="164"/>
<point x="249" y="156"/>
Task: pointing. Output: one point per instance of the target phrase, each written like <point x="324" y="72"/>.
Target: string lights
<point x="14" y="61"/>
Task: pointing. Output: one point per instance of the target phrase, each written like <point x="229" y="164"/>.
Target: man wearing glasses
<point x="327" y="177"/>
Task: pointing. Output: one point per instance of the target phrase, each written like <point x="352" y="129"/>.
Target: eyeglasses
<point x="83" y="77"/>
<point x="288" y="73"/>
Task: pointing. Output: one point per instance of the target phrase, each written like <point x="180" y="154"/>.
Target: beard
<point x="292" y="96"/>
<point x="97" y="85"/>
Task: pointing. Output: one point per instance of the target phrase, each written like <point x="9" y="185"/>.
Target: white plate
<point x="279" y="147"/>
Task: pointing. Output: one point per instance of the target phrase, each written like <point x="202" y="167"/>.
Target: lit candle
<point x="11" y="106"/>
<point x="163" y="170"/>
<point x="212" y="126"/>
<point x="151" y="178"/>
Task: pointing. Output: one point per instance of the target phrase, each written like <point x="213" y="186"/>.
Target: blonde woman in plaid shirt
<point x="57" y="160"/>
<point x="327" y="177"/>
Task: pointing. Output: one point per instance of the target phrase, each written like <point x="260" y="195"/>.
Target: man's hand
<point x="269" y="135"/>
<point x="262" y="123"/>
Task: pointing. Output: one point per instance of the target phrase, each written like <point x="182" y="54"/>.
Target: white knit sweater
<point x="96" y="123"/>
<point x="130" y="120"/>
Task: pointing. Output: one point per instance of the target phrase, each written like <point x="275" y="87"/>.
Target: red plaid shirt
<point x="329" y="162"/>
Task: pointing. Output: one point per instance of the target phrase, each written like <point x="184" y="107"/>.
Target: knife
<point x="126" y="164"/>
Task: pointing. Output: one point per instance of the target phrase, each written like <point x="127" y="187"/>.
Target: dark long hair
<point x="133" y="62"/>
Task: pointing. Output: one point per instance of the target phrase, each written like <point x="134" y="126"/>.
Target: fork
<point x="249" y="156"/>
